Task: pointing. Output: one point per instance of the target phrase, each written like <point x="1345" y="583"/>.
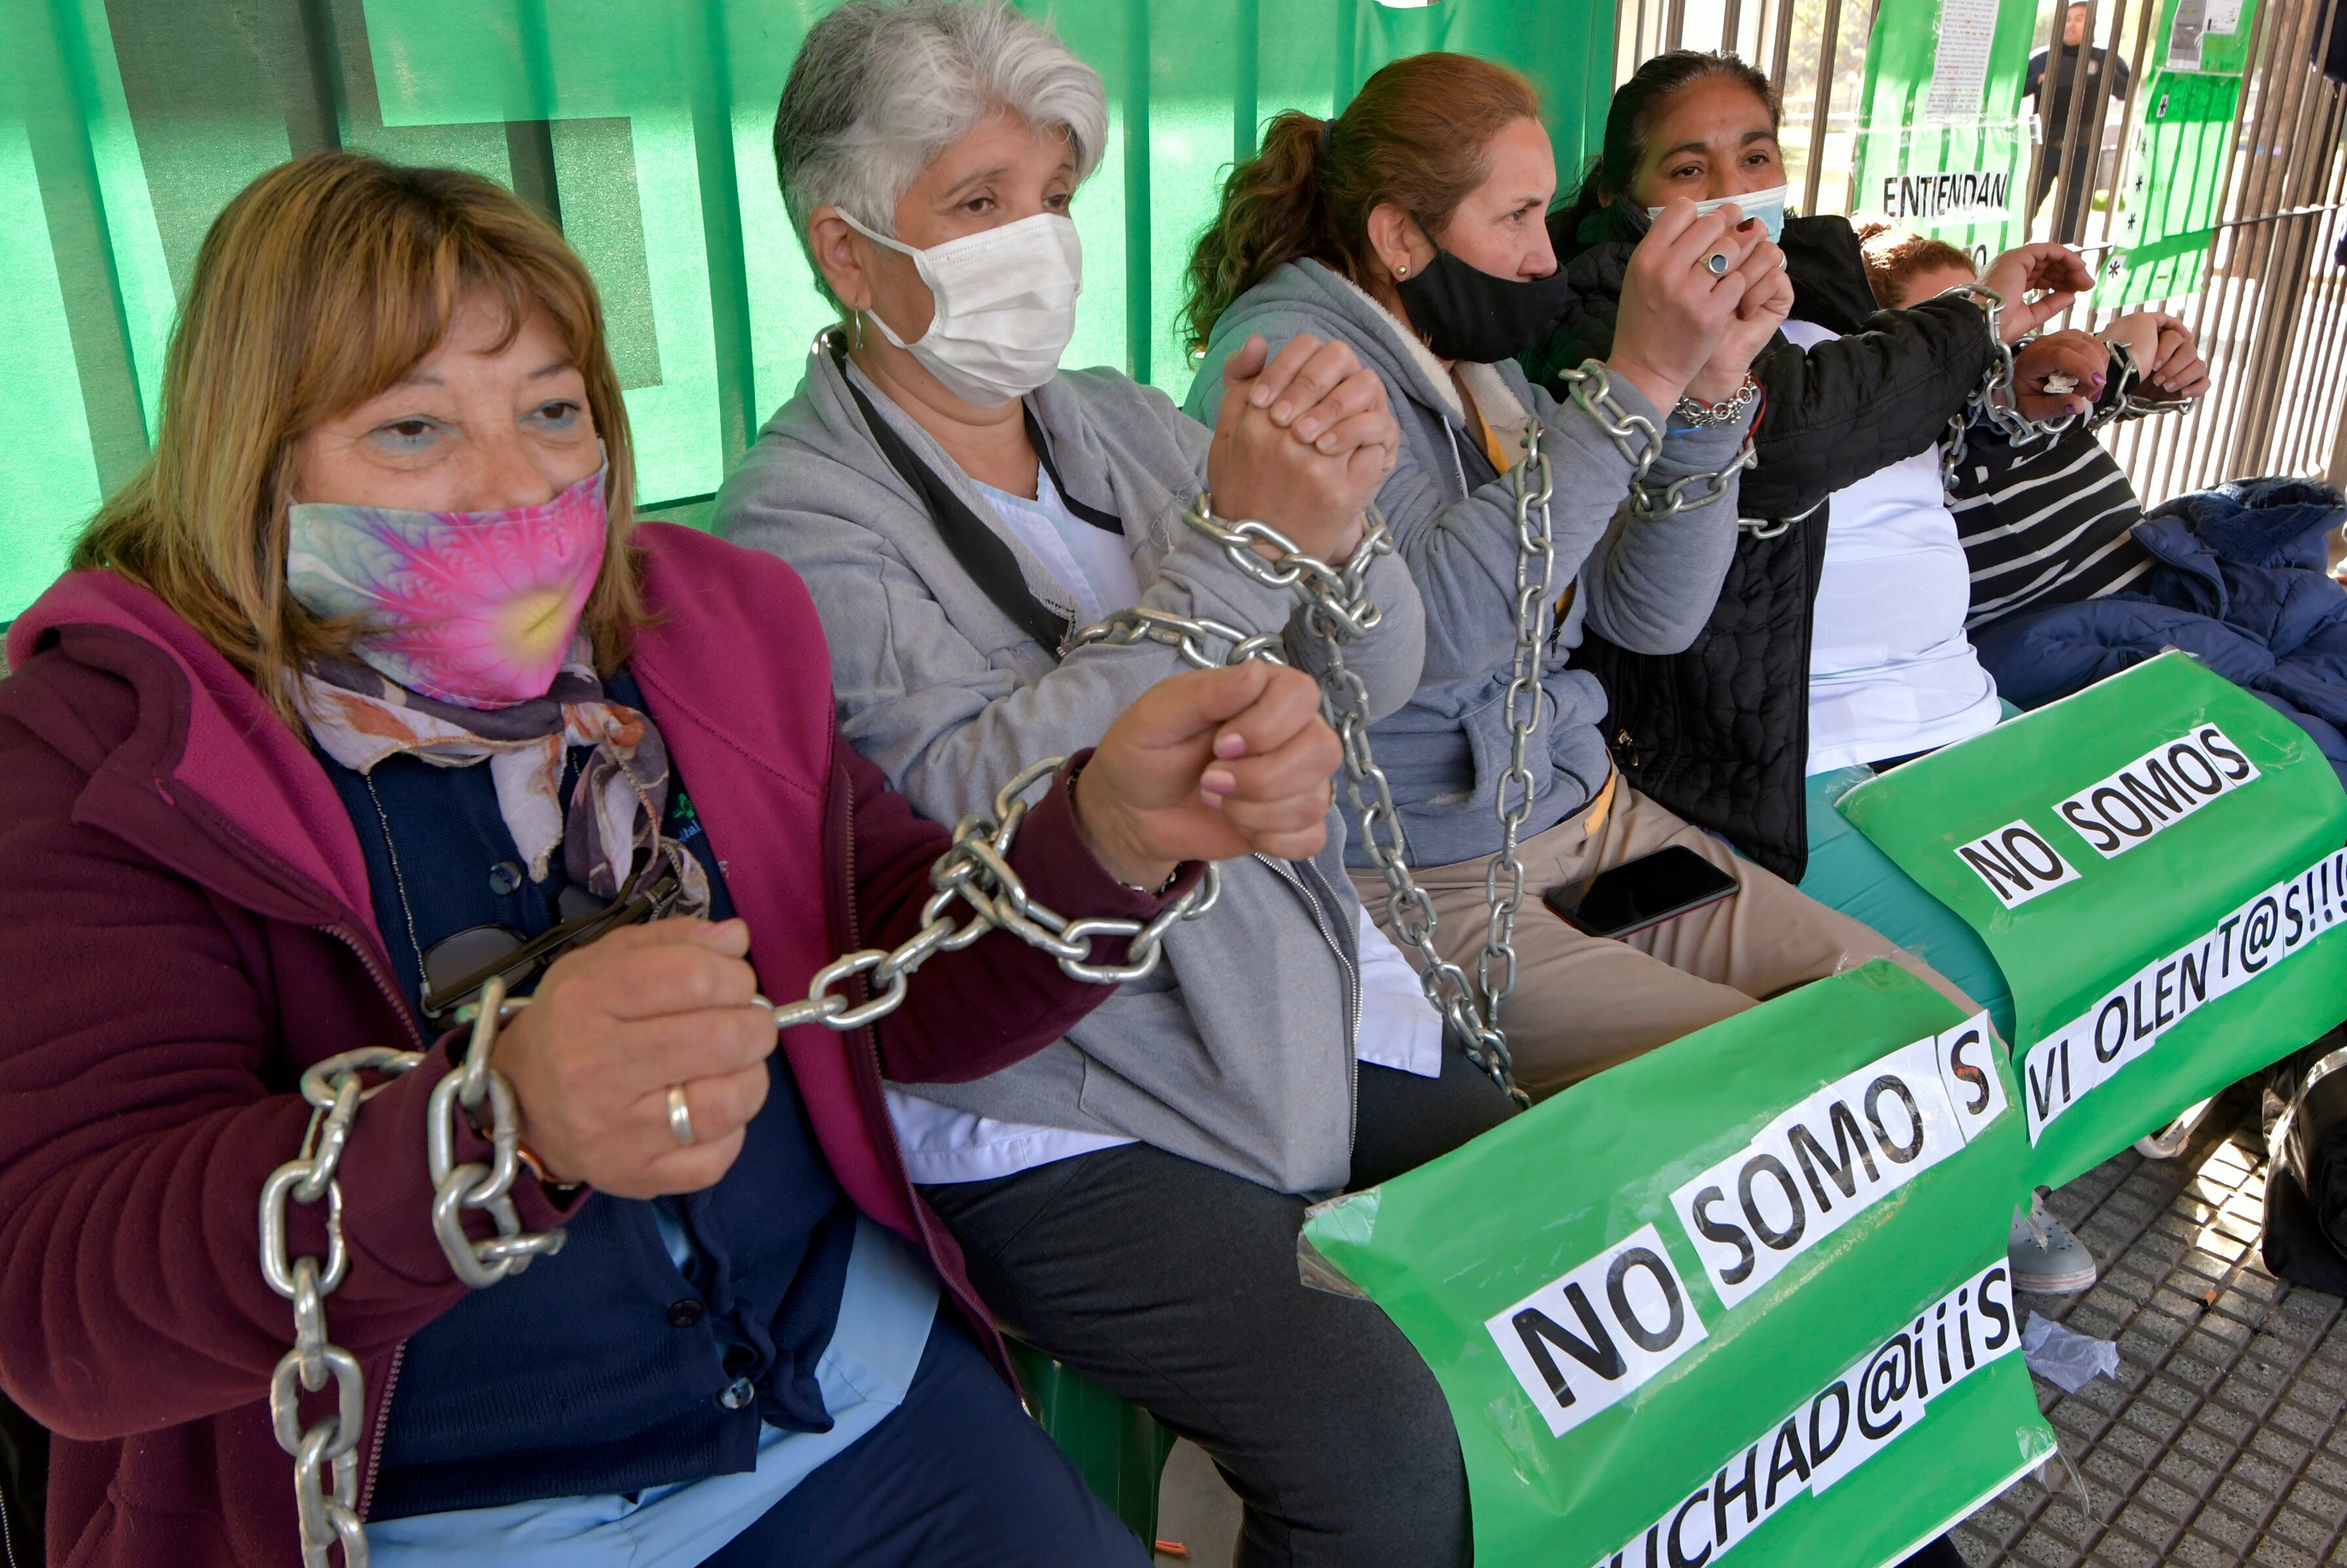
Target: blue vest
<point x="606" y="1367"/>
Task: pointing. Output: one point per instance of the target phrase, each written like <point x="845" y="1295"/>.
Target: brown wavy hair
<point x="1417" y="134"/>
<point x="320" y="286"/>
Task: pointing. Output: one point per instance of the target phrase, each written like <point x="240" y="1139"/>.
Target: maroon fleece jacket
<point x="185" y="925"/>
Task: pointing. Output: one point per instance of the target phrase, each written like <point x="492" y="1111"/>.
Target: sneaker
<point x="2045" y="1258"/>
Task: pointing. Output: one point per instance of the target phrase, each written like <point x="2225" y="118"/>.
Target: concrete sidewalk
<point x="2222" y="1442"/>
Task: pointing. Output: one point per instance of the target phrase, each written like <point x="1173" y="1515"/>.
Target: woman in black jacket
<point x="1720" y="733"/>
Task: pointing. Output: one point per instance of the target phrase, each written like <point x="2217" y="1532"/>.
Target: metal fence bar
<point x="1826" y="42"/>
<point x="2267" y="275"/>
<point x="2221" y="285"/>
<point x="2322" y="382"/>
<point x="2282" y="300"/>
<point x="2319" y="320"/>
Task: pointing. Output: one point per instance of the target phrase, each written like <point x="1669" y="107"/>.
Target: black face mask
<point x="1466" y="313"/>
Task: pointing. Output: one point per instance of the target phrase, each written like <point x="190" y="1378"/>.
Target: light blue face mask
<point x="1768" y="206"/>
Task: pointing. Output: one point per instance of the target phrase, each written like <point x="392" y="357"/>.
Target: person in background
<point x="1408" y="228"/>
<point x="2053" y="83"/>
<point x="961" y="508"/>
<point x="2072" y="581"/>
<point x="1837" y="644"/>
<point x="366" y="681"/>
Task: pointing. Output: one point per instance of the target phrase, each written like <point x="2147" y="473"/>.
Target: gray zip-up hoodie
<point x="1648" y="587"/>
<point x="1238" y="1051"/>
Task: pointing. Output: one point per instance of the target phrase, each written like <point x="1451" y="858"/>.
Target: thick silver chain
<point x="1337" y="608"/>
<point x="1648" y="506"/>
<point x="1990" y="404"/>
<point x="975" y="872"/>
<point x="335" y="1090"/>
<point x="1503" y="875"/>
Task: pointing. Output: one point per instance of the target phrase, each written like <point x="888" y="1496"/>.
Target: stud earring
<point x="1401" y="272"/>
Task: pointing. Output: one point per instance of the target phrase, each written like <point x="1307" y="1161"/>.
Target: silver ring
<point x="680" y="1115"/>
<point x="1717" y="262"/>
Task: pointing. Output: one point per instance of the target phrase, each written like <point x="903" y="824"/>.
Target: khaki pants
<point x="1582" y="1003"/>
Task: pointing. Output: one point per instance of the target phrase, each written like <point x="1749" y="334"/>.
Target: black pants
<point x="1175" y="1284"/>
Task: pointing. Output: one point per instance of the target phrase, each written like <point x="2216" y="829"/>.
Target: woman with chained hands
<point x="368" y="691"/>
<point x="1408" y="229"/>
<point x="1838" y="645"/>
<point x="1003" y="551"/>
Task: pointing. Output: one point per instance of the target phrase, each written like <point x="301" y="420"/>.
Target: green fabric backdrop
<point x="644" y="124"/>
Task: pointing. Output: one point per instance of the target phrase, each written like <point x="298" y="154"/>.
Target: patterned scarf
<point x="610" y="828"/>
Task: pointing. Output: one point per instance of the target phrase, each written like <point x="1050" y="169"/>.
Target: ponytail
<point x="1272" y="213"/>
<point x="1417" y="135"/>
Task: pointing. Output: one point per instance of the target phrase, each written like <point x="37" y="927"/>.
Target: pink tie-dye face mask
<point x="472" y="608"/>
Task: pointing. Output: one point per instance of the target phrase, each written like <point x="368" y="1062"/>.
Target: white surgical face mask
<point x="1005" y="306"/>
<point x="1768" y="206"/>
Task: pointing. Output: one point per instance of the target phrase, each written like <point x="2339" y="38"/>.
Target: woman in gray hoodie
<point x="1127" y="1199"/>
<point x="1410" y="228"/>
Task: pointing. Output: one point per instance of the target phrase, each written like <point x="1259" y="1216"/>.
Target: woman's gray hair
<point x="882" y="86"/>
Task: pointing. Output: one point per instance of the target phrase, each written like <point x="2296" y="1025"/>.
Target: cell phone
<point x="1640" y="893"/>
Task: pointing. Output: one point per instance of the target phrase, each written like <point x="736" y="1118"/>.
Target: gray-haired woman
<point x="956" y="502"/>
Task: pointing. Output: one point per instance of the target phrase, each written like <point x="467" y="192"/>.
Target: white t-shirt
<point x="1398" y="1028"/>
<point x="1891" y="670"/>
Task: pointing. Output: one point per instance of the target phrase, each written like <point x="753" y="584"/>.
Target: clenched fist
<point x="1208" y="765"/>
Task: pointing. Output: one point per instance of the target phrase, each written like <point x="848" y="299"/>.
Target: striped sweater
<point x="2047" y="522"/>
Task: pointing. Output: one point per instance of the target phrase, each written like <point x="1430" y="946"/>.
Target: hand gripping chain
<point x="1337" y="608"/>
<point x="1987" y="401"/>
<point x="333" y="1087"/>
<point x="975" y="871"/>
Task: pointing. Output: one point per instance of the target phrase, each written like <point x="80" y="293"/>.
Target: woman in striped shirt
<point x="2047" y="521"/>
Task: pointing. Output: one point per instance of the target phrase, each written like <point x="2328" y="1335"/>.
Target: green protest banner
<point x="1943" y="147"/>
<point x="2183" y="142"/>
<point x="1747" y="1292"/>
<point x="2156" y="865"/>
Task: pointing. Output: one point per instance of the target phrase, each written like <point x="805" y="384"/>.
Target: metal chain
<point x="975" y="871"/>
<point x="2128" y="406"/>
<point x="1648" y="505"/>
<point x="1592" y="387"/>
<point x="1495" y="968"/>
<point x="1986" y="402"/>
<point x="1338" y="609"/>
<point x="335" y="1089"/>
<point x="331" y="1443"/>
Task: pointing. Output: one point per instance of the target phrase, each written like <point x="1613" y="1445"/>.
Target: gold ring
<point x="680" y="1116"/>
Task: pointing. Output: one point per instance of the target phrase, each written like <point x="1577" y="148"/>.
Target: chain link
<point x="1337" y="608"/>
<point x="1636" y="436"/>
<point x="1987" y="402"/>
<point x="1990" y="403"/>
<point x="975" y="872"/>
<point x="1648" y="506"/>
<point x="1503" y="874"/>
<point x="2127" y="405"/>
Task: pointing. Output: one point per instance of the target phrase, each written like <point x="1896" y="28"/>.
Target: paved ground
<point x="2222" y="1442"/>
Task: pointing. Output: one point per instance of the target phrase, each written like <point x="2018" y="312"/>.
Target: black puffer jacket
<point x="1720" y="733"/>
